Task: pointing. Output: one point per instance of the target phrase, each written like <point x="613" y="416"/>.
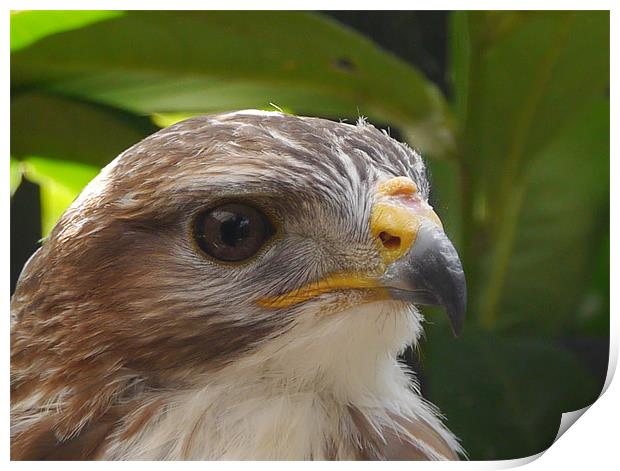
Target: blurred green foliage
<point x="519" y="158"/>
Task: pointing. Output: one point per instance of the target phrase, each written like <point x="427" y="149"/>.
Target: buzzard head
<point x="298" y="247"/>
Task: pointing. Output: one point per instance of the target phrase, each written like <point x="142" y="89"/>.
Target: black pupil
<point x="234" y="229"/>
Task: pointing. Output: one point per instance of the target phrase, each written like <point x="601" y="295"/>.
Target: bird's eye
<point x="232" y="232"/>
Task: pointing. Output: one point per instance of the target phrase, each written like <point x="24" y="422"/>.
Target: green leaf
<point x="16" y="174"/>
<point x="446" y="197"/>
<point x="594" y="311"/>
<point x="503" y="396"/>
<point x="60" y="183"/>
<point x="213" y="61"/>
<point x="28" y="26"/>
<point x="164" y="120"/>
<point x="60" y="128"/>
<point x="524" y="81"/>
<point x="70" y="141"/>
<point x="563" y="222"/>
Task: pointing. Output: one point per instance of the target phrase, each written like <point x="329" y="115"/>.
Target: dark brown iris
<point x="233" y="231"/>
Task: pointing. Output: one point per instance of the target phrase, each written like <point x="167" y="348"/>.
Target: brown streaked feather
<point x="42" y="442"/>
<point x="400" y="448"/>
<point x="137" y="420"/>
<point x="388" y="444"/>
<point x="370" y="442"/>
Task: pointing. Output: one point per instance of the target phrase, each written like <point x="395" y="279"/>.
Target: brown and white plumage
<point x="128" y="342"/>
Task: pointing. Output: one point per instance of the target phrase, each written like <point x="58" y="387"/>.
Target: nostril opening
<point x="389" y="241"/>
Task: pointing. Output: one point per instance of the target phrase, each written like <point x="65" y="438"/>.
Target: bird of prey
<point x="236" y="286"/>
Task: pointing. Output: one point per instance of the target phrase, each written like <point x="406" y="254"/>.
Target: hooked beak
<point x="430" y="273"/>
<point x="423" y="266"/>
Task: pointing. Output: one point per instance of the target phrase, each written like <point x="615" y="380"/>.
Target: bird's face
<point x="223" y="235"/>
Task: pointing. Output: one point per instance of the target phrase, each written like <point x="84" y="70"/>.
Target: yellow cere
<point x="395" y="228"/>
<point x="397" y="186"/>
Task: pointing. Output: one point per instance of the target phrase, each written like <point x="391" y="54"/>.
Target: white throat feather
<point x="323" y="390"/>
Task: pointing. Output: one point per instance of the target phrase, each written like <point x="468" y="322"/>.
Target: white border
<point x="593" y="442"/>
<point x="308" y="5"/>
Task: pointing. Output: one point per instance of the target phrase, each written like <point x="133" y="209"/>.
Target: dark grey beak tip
<point x="456" y="311"/>
<point x="445" y="277"/>
<point x="431" y="274"/>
